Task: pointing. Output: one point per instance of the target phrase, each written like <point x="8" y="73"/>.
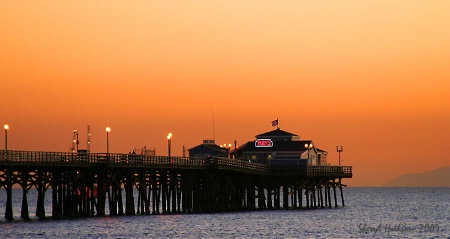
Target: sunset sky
<point x="373" y="76"/>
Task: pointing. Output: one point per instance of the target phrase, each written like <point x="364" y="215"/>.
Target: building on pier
<point x="208" y="148"/>
<point x="279" y="147"/>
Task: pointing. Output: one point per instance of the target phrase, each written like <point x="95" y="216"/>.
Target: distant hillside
<point x="435" y="178"/>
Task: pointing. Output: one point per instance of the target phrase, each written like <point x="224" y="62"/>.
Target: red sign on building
<point x="263" y="143"/>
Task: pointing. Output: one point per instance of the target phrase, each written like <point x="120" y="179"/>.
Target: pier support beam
<point x="320" y="197"/>
<point x="41" y="187"/>
<point x="300" y="197"/>
<point x="313" y="199"/>
<point x="285" y="197"/>
<point x="329" y="195"/>
<point x="8" y="186"/>
<point x="129" y="200"/>
<point x="102" y="189"/>
<point x="24" y="184"/>
<point x="307" y="193"/>
<point x="335" y="197"/>
<point x="342" y="194"/>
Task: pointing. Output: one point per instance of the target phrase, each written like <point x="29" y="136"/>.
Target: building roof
<point x="278" y="133"/>
<point x="210" y="146"/>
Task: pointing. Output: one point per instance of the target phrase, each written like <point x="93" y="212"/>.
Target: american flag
<point x="275" y="122"/>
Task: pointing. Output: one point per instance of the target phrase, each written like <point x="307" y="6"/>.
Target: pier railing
<point x="37" y="158"/>
<point x="241" y="166"/>
<point x="343" y="171"/>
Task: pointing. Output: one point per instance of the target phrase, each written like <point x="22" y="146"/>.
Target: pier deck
<point x="85" y="184"/>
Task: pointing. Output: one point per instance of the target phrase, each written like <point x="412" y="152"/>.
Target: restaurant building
<point x="280" y="148"/>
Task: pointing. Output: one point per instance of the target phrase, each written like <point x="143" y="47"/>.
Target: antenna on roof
<point x="212" y="112"/>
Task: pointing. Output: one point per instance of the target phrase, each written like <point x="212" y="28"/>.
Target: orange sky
<point x="371" y="76"/>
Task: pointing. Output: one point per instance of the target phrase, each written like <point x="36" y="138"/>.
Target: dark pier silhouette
<point x="84" y="185"/>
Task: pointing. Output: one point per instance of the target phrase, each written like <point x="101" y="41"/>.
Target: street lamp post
<point x="339" y="150"/>
<point x="169" y="141"/>
<point x="108" y="129"/>
<point x="77" y="141"/>
<point x="6" y="127"/>
<point x="227" y="147"/>
<point x="309" y="147"/>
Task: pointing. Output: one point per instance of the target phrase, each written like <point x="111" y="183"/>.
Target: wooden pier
<point x="84" y="185"/>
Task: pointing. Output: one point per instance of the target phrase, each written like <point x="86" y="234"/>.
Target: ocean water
<point x="369" y="213"/>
